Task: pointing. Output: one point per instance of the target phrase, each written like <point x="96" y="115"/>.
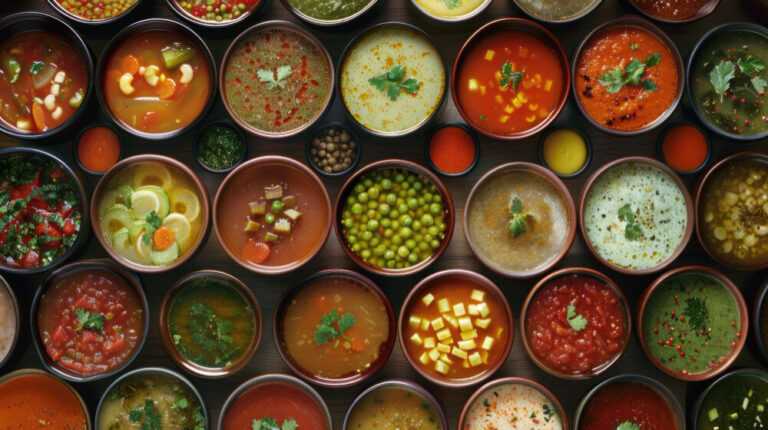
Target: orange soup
<point x="39" y="401"/>
<point x="509" y="82"/>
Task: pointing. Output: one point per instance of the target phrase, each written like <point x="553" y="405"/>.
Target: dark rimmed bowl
<point x="206" y="23"/>
<point x="688" y="205"/>
<point x="75" y="144"/>
<point x="77" y="179"/>
<point x="513" y="380"/>
<point x="277" y="329"/>
<point x="515" y="24"/>
<point x="557" y="184"/>
<point x="586" y="11"/>
<point x="757" y="373"/>
<point x="165" y="334"/>
<point x="703" y="11"/>
<point x="654" y="385"/>
<point x="476" y="279"/>
<point x="587" y="143"/>
<point x="274" y="378"/>
<point x="453" y="19"/>
<point x="5" y="286"/>
<point x="330" y="23"/>
<point x="583" y="271"/>
<point x="91" y="22"/>
<point x="224" y="123"/>
<point x="740" y="304"/>
<point x="434" y="131"/>
<point x="141" y="371"/>
<point x="26" y="21"/>
<point x="101" y="188"/>
<point x="353" y="136"/>
<point x="348" y="187"/>
<point x="143" y="26"/>
<point x="255" y="163"/>
<point x="759" y="335"/>
<point x="340" y="69"/>
<point x="660" y="146"/>
<point x="284" y="26"/>
<point x="637" y="22"/>
<point x="133" y="282"/>
<point x="402" y="384"/>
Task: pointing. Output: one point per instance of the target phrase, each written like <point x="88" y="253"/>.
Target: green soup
<point x="329" y="9"/>
<point x="740" y="401"/>
<point x="691" y="323"/>
<point x="555" y="9"/>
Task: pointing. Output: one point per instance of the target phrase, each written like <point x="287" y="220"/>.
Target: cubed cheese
<point x="482" y="322"/>
<point x="465" y="324"/>
<point x="445" y="358"/>
<point x="424" y="358"/>
<point x="414" y="321"/>
<point x="489" y="54"/>
<point x="482" y="307"/>
<point x="437" y="324"/>
<point x="475" y="359"/>
<point x="443" y="306"/>
<point x="443" y="347"/>
<point x="459" y="310"/>
<point x="424" y="324"/>
<point x="472" y="310"/>
<point x="451" y="320"/>
<point x="434" y="354"/>
<point x="416" y="339"/>
<point x="443" y="334"/>
<point x="477" y="295"/>
<point x="459" y="353"/>
<point x="469" y="334"/>
<point x="441" y="367"/>
<point x="487" y="343"/>
<point x="428" y="299"/>
<point x="429" y="342"/>
<point x="467" y="345"/>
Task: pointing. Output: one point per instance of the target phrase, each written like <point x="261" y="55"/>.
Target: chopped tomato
<point x="30" y="259"/>
<point x="69" y="228"/>
<point x="116" y="345"/>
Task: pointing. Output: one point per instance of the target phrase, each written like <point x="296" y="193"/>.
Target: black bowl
<point x="226" y="123"/>
<point x="660" y="146"/>
<point x="474" y="140"/>
<point x="316" y="132"/>
<point x="92" y="22"/>
<point x="80" y="135"/>
<point x="183" y="14"/>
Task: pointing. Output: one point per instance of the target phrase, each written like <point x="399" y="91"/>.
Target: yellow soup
<point x="449" y="9"/>
<point x="394" y="408"/>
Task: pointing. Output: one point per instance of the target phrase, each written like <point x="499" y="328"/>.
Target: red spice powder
<point x="452" y="149"/>
<point x="684" y="148"/>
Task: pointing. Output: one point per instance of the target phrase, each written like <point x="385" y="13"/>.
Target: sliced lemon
<point x="179" y="225"/>
<point x="185" y="202"/>
<point x="153" y="174"/>
<point x="143" y="202"/>
<point x="121" y="243"/>
<point x="144" y="248"/>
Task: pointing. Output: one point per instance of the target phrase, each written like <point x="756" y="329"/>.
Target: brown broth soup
<point x="390" y="408"/>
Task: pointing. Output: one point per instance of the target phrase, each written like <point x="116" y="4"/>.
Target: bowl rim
<point x="516" y="380"/>
<point x="90" y="22"/>
<point x="740" y="305"/>
<point x="225" y="122"/>
<point x="289" y="163"/>
<point x="586" y="11"/>
<point x="17" y="311"/>
<point x="321" y="127"/>
<point x="403" y="384"/>
<point x="77" y="180"/>
<point x="689" y="227"/>
<point x="108" y="265"/>
<point x="449" y="212"/>
<point x="186" y="16"/>
<point x="461" y="18"/>
<point x="428" y="143"/>
<point x="660" y="146"/>
<point x="161" y="159"/>
<point x="153" y="24"/>
<point x="328" y="23"/>
<point x="153" y="370"/>
<point x="615" y="289"/>
<point x="635" y="21"/>
<point x="556" y="183"/>
<point x="188" y="365"/>
<point x="280" y="378"/>
<point x="78" y="44"/>
<point x="76" y="143"/>
<point x="756" y="317"/>
<point x="659" y="388"/>
<point x="340" y="70"/>
<point x="748" y="371"/>
<point x="306" y="282"/>
<point x="703" y="11"/>
<point x="541" y="33"/>
<point x="477" y="279"/>
<point x="289" y="27"/>
<point x="587" y="144"/>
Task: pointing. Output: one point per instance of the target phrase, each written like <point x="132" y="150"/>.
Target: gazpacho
<point x="391" y="407"/>
<point x="515" y="405"/>
<point x="739" y="400"/>
<point x="35" y="399"/>
<point x="628" y="404"/>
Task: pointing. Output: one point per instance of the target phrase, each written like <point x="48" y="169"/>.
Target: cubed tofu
<point x="252" y="226"/>
<point x="416" y="339"/>
<point x="441" y="367"/>
<point x="459" y="353"/>
<point x="428" y="299"/>
<point x="445" y="358"/>
<point x="443" y="334"/>
<point x="282" y="226"/>
<point x="424" y="324"/>
<point x="443" y="306"/>
<point x="430" y="342"/>
<point x="483" y="322"/>
<point x="467" y="345"/>
<point x="273" y="192"/>
<point x="489" y="54"/>
<point x="472" y="310"/>
<point x="257" y="208"/>
<point x="487" y="343"/>
<point x="451" y="320"/>
<point x="472" y="334"/>
<point x="448" y="341"/>
<point x="473" y="85"/>
<point x="424" y="358"/>
<point x="414" y="321"/>
<point x="475" y="359"/>
<point x="292" y="213"/>
<point x="483" y="308"/>
<point x="477" y="295"/>
<point x="438" y="324"/>
<point x="459" y="310"/>
<point x="465" y="324"/>
<point x="442" y="347"/>
<point x="434" y="354"/>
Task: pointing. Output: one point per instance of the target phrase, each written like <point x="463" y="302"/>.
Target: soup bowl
<point x="189" y="14"/>
<point x="73" y="58"/>
<point x="728" y="395"/>
<point x="558" y="11"/>
<point x="77" y="15"/>
<point x="543" y="89"/>
<point x="676" y="17"/>
<point x="441" y="13"/>
<point x="234" y="299"/>
<point x="171" y="196"/>
<point x="81" y="138"/>
<point x="409" y="398"/>
<point x="759" y="321"/>
<point x="333" y="18"/>
<point x="272" y="214"/>
<point x="10" y="315"/>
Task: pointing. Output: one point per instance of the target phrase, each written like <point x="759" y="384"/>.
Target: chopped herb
<point x="392" y="82"/>
<point x="486" y="403"/>
<point x="634" y="46"/>
<point x="153" y="222"/>
<point x="89" y="320"/>
<point x="548" y="412"/>
<point x="211" y="333"/>
<point x="180" y="404"/>
<point x="750" y="65"/>
<point x="152" y="418"/>
<point x="614" y="80"/>
<point x="577" y="321"/>
<point x="332" y="327"/>
<point x="269" y="423"/>
<point x="721" y="76"/>
<point x="268" y="76"/>
<point x="36" y="67"/>
<point x="484" y="118"/>
<point x="697" y="313"/>
<point x="518" y="221"/>
<point x="533" y="415"/>
<point x="451" y="4"/>
<point x="628" y="425"/>
<point x="507" y="76"/>
<point x="632" y="231"/>
<point x="146" y="239"/>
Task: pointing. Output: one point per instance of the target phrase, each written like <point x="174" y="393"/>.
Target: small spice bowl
<point x="564" y="149"/>
<point x="341" y="128"/>
<point x="661" y="142"/>
<point x="436" y="132"/>
<point x="226" y="124"/>
<point x="100" y="149"/>
<point x="421" y="399"/>
<point x="10" y="317"/>
<point x="734" y="400"/>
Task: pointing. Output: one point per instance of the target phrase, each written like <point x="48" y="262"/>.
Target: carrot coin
<point x="166" y="88"/>
<point x="163" y="238"/>
<point x="129" y="64"/>
<point x="256" y="252"/>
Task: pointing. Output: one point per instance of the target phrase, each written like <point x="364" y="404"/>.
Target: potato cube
<point x="430" y="342"/>
<point x="442" y="347"/>
<point x="465" y="324"/>
<point x="434" y="354"/>
<point x="467" y="345"/>
<point x="469" y="334"/>
<point x="252" y="226"/>
<point x="443" y="334"/>
<point x="428" y="299"/>
<point x="414" y="321"/>
<point x="442" y="367"/>
<point x="483" y="322"/>
<point x="459" y="309"/>
<point x="437" y="324"/>
<point x="443" y="306"/>
<point x="477" y="295"/>
<point x="445" y="358"/>
<point x="416" y="339"/>
<point x="448" y="341"/>
<point x="487" y="343"/>
<point x="475" y="359"/>
<point x="425" y="324"/>
<point x="489" y="54"/>
<point x="273" y="192"/>
<point x="257" y="208"/>
<point x="483" y="308"/>
<point x="459" y="353"/>
<point x="484" y="354"/>
<point x="424" y="358"/>
<point x="451" y="320"/>
<point x="282" y="226"/>
<point x="472" y="310"/>
<point x="465" y="364"/>
<point x="293" y="214"/>
<point x="473" y="86"/>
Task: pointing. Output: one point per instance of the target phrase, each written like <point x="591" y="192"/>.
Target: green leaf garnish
<point x="211" y="333"/>
<point x="507" y="76"/>
<point x="153" y="222"/>
<point x="450" y="4"/>
<point x="517" y="221"/>
<point x="180" y="404"/>
<point x="721" y="76"/>
<point x="750" y="65"/>
<point x="89" y="320"/>
<point x="391" y="82"/>
<point x="36" y="67"/>
<point x="269" y="423"/>
<point x="332" y="327"/>
<point x="628" y="425"/>
<point x="268" y="76"/>
<point x="577" y="321"/>
<point x="634" y="46"/>
<point x="759" y="84"/>
<point x="697" y="313"/>
<point x="632" y="231"/>
<point x="614" y="80"/>
<point x="152" y="418"/>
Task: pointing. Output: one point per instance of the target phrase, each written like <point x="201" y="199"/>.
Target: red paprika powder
<point x="684" y="148"/>
<point x="452" y="150"/>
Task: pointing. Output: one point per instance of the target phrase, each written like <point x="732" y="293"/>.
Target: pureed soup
<point x="738" y="401"/>
<point x="691" y="323"/>
<point x="90" y="321"/>
<point x="512" y="405"/>
<point x="451" y="9"/>
<point x="329" y="10"/>
<point x="393" y="408"/>
<point x="157" y="81"/>
<point x="509" y="82"/>
<point x="38" y="400"/>
<point x="335" y="327"/>
<point x="288" y="404"/>
<point x="626" y="78"/>
<point x="636" y="403"/>
<point x="392" y="79"/>
<point x="555" y="10"/>
<point x="672" y="10"/>
<point x="277" y="80"/>
<point x="635" y="215"/>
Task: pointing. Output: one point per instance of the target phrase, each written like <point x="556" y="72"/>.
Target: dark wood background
<point x="449" y="38"/>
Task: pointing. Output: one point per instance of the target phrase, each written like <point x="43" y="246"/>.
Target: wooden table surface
<point x="267" y="289"/>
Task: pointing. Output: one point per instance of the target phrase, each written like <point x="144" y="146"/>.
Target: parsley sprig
<point x="577" y="321"/>
<point x="89" y="320"/>
<point x="269" y="423"/>
<point x="153" y="222"/>
<point x="745" y="68"/>
<point x="450" y="4"/>
<point x="632" y="231"/>
<point x="274" y="79"/>
<point x="517" y="222"/>
<point x="614" y="80"/>
<point x="628" y="425"/>
<point x="507" y="76"/>
<point x="392" y="82"/>
<point x="697" y="313"/>
<point x="332" y="327"/>
<point x="152" y="420"/>
<point x="211" y="333"/>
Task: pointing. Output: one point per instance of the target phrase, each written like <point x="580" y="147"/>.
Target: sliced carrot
<point x="38" y="114"/>
<point x="129" y="64"/>
<point x="256" y="252"/>
<point x="164" y="238"/>
<point x="166" y="88"/>
<point x="357" y="339"/>
<point x="322" y="304"/>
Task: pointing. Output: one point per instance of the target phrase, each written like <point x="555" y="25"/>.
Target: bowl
<point x="184" y="173"/>
<point x="629" y="21"/>
<point x="403" y="384"/>
<point x="649" y="164"/>
<point x="493" y="386"/>
<point x="317" y="192"/>
<point x="587" y="143"/>
<point x="385" y="349"/>
<point x="471" y="134"/>
<point x="269" y="379"/>
<point x="556" y="251"/>
<point x="180" y="358"/>
<point x="213" y="24"/>
<point x="660" y="146"/>
<point x="333" y="22"/>
<point x="223" y="123"/>
<point x="626" y="313"/>
<point x="758" y="320"/>
<point x="549" y="20"/>
<point x="143" y="26"/>
<point x="76" y="142"/>
<point x="731" y="396"/>
<point x="307" y="38"/>
<point x="736" y="346"/>
<point x="79" y="187"/>
<point x="482" y="5"/>
<point x="30" y="21"/>
<point x="520" y="25"/>
<point x="467" y="277"/>
<point x="353" y="136"/>
<point x="56" y="5"/>
<point x="647" y="382"/>
<point x="348" y="188"/>
<point x="705" y="9"/>
<point x="7" y="291"/>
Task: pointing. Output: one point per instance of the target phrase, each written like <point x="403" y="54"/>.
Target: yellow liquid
<point x="565" y="151"/>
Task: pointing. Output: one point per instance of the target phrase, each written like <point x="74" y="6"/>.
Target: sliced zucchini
<point x="121" y="194"/>
<point x="115" y="218"/>
<point x="156" y="174"/>
<point x="165" y="257"/>
<point x="185" y="202"/>
<point x="145" y="205"/>
<point x="122" y="244"/>
<point x="135" y="228"/>
<point x="179" y="225"/>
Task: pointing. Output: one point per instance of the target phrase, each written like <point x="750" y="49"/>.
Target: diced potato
<point x="503" y="119"/>
<point x="459" y="353"/>
<point x="429" y="342"/>
<point x="271" y="237"/>
<point x="424" y="358"/>
<point x="459" y="310"/>
<point x="441" y="367"/>
<point x="24" y="124"/>
<point x="60" y="77"/>
<point x="55" y="89"/>
<point x="416" y="339"/>
<point x="293" y="214"/>
<point x="482" y="322"/>
<point x="252" y="226"/>
<point x="289" y="202"/>
<point x="472" y="310"/>
<point x="442" y="347"/>
<point x="448" y="341"/>
<point x="443" y="306"/>
<point x="499" y="99"/>
<point x="473" y="85"/>
<point x="475" y="359"/>
<point x="465" y="364"/>
<point x="444" y="357"/>
<point x="50" y="102"/>
<point x="469" y="334"/>
<point x="484" y="355"/>
<point x="548" y="85"/>
<point x="428" y="299"/>
<point x="467" y="345"/>
<point x="483" y="308"/>
<point x="509" y="109"/>
<point x="465" y="324"/>
<point x="414" y="321"/>
<point x="425" y="324"/>
<point x="438" y="324"/>
<point x="489" y="54"/>
<point x="482" y="90"/>
<point x="443" y="334"/>
<point x="282" y="225"/>
<point x="451" y="320"/>
<point x="274" y="192"/>
<point x="257" y="208"/>
<point x="477" y="295"/>
<point x="487" y="343"/>
<point x="434" y="354"/>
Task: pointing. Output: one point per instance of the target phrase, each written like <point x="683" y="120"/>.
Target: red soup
<point x="575" y="324"/>
<point x="628" y="402"/>
<point x="90" y="322"/>
<point x="279" y="401"/>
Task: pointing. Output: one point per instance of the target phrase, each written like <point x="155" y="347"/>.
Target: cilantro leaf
<point x="632" y="231"/>
<point x="146" y="239"/>
<point x="634" y="46"/>
<point x="153" y="222"/>
<point x="332" y="327"/>
<point x="517" y="223"/>
<point x="626" y="213"/>
<point x="507" y="76"/>
<point x="152" y="418"/>
<point x="450" y="4"/>
<point x="211" y="333"/>
<point x="89" y="320"/>
<point x="614" y="80"/>
<point x="396" y="73"/>
<point x="391" y="82"/>
<point x="697" y="313"/>
<point x="634" y="71"/>
<point x="517" y="206"/>
<point x="410" y="85"/>
<point x="36" y="67"/>
<point x="759" y="83"/>
<point x="182" y="403"/>
<point x="269" y="423"/>
<point x="653" y="60"/>
<point x="750" y="65"/>
<point x="290" y="424"/>
<point x="283" y="72"/>
<point x="628" y="425"/>
<point x="136" y="415"/>
<point x="393" y="91"/>
<point x="577" y="321"/>
<point x="721" y="76"/>
<point x="380" y="82"/>
<point x="649" y="85"/>
<point x="268" y="76"/>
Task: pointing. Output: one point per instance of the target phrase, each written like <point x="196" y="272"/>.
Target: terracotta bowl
<point x="704" y="10"/>
<point x="743" y="321"/>
<point x="756" y="373"/>
<point x="403" y="384"/>
<point x="56" y="5"/>
<point x="348" y="187"/>
<point x="758" y="331"/>
<point x="209" y="24"/>
<point x="173" y="351"/>
<point x="8" y="292"/>
<point x="583" y="271"/>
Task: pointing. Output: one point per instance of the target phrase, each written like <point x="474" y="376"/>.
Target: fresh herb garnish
<point x="269" y="423"/>
<point x="750" y="65"/>
<point x="632" y="231"/>
<point x="697" y="313"/>
<point x="548" y="412"/>
<point x="484" y="118"/>
<point x="152" y="418"/>
<point x="614" y="80"/>
<point x="211" y="333"/>
<point x="332" y="327"/>
<point x="507" y="76"/>
<point x="36" y="67"/>
<point x="268" y="76"/>
<point x="153" y="222"/>
<point x="517" y="222"/>
<point x="450" y="4"/>
<point x="391" y="82"/>
<point x="533" y="415"/>
<point x="180" y="404"/>
<point x="721" y="76"/>
<point x="628" y="425"/>
<point x="577" y="321"/>
<point x="634" y="46"/>
<point x="89" y="320"/>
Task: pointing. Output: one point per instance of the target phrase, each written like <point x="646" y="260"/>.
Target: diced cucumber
<point x="115" y="218"/>
<point x="734" y="416"/>
<point x="175" y="55"/>
<point x="745" y="403"/>
<point x="713" y="415"/>
<point x="165" y="257"/>
<point x="135" y="228"/>
<point x="257" y="208"/>
<point x="164" y="203"/>
<point x="252" y="226"/>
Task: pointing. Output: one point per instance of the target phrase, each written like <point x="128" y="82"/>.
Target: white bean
<point x="50" y="102"/>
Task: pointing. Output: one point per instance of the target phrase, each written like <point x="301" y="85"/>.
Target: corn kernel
<point x="459" y="310"/>
<point x="443" y="306"/>
<point x="497" y="75"/>
<point x="499" y="331"/>
<point x="482" y="90"/>
<point x="543" y="113"/>
<point x="499" y="99"/>
<point x="509" y="109"/>
<point x="459" y="353"/>
<point x="416" y="339"/>
<point x="522" y="97"/>
<point x="517" y="103"/>
<point x="471" y="334"/>
<point x="414" y="321"/>
<point x="489" y="54"/>
<point x="487" y="343"/>
<point x="443" y="334"/>
<point x="437" y="324"/>
<point x="475" y="359"/>
<point x="548" y="85"/>
<point x="466" y="345"/>
<point x="503" y="119"/>
<point x="428" y="299"/>
<point x="484" y="355"/>
<point x="465" y="364"/>
<point x="477" y="295"/>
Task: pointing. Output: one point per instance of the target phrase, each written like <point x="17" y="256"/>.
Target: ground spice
<point x="452" y="150"/>
<point x="684" y="148"/>
<point x="220" y="147"/>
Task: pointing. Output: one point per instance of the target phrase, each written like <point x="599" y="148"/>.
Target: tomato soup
<point x="632" y="402"/>
<point x="509" y="82"/>
<point x="37" y="400"/>
<point x="626" y="78"/>
<point x="281" y="401"/>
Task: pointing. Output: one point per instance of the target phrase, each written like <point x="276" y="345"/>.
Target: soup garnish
<point x="94" y="10"/>
<point x="392" y="408"/>
<point x="521" y="404"/>
<point x="36" y="400"/>
<point x="628" y="405"/>
<point x="739" y="401"/>
<point x="268" y="404"/>
<point x="218" y="11"/>
<point x="220" y="147"/>
<point x="328" y="10"/>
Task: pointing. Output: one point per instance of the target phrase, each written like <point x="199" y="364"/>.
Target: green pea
<point x="437" y="199"/>
<point x="403" y="251"/>
<point x="424" y="246"/>
<point x="269" y="218"/>
<point x="434" y="243"/>
<point x="390" y="264"/>
<point x="411" y="178"/>
<point x="391" y="199"/>
<point x="367" y="236"/>
<point x="397" y="240"/>
<point x="359" y="188"/>
<point x="354" y="231"/>
<point x="349" y="222"/>
<point x="433" y="230"/>
<point x="372" y="205"/>
<point x="399" y="178"/>
<point x="375" y="241"/>
<point x="413" y="258"/>
<point x="406" y="232"/>
<point x="410" y="244"/>
<point x="356" y="247"/>
<point x="357" y="208"/>
<point x="362" y="197"/>
<point x="380" y="250"/>
<point x="277" y="205"/>
<point x="427" y="220"/>
<point x="428" y="197"/>
<point x="412" y="193"/>
<point x="373" y="192"/>
<point x="351" y="200"/>
<point x="389" y="232"/>
<point x="394" y="214"/>
<point x="386" y="184"/>
<point x="416" y="225"/>
<point x="389" y="254"/>
<point x="386" y="222"/>
<point x="372" y="225"/>
<point x="366" y="254"/>
<point x="418" y="186"/>
<point x="367" y="182"/>
<point x="435" y="208"/>
<point x="384" y="209"/>
<point x="406" y="220"/>
<point x="402" y="207"/>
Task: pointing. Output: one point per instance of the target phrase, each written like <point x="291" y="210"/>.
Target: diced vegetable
<point x="465" y="324"/>
<point x="293" y="214"/>
<point x="430" y="342"/>
<point x="437" y="324"/>
<point x="283" y="225"/>
<point x="174" y="56"/>
<point x="712" y="414"/>
<point x="273" y="192"/>
<point x="459" y="353"/>
<point x="271" y="237"/>
<point x="416" y="339"/>
<point x="442" y="347"/>
<point x="414" y="321"/>
<point x="443" y="334"/>
<point x="11" y="67"/>
<point x="471" y="334"/>
<point x="487" y="343"/>
<point x="434" y="353"/>
<point x="289" y="201"/>
<point x="428" y="299"/>
<point x="459" y="309"/>
<point x="252" y="226"/>
<point x="467" y="344"/>
<point x="477" y="295"/>
<point x="77" y="99"/>
<point x="257" y="208"/>
<point x="443" y="306"/>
